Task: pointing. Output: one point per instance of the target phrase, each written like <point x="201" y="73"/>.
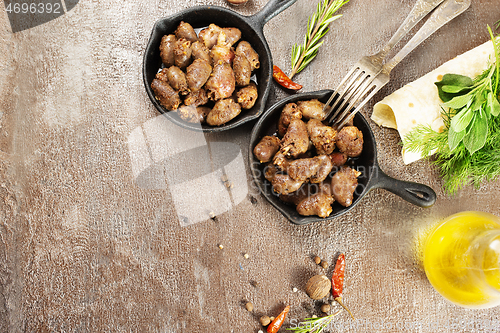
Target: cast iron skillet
<point x="199" y="17"/>
<point x="372" y="176"/>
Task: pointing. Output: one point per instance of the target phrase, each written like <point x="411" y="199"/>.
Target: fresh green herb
<point x="317" y="27"/>
<point x="468" y="150"/>
<point x="314" y="325"/>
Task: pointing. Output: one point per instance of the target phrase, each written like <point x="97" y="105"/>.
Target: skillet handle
<point x="415" y="193"/>
<point x="270" y="10"/>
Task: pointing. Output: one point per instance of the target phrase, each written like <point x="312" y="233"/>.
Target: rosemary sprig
<point x="317" y="27"/>
<point x="314" y="325"/>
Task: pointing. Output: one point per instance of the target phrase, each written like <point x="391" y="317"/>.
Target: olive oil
<point x="462" y="259"/>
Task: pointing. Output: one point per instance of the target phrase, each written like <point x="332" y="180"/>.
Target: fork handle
<point x="418" y="12"/>
<point x="447" y="11"/>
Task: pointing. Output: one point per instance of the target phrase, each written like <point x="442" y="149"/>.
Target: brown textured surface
<point x="84" y="248"/>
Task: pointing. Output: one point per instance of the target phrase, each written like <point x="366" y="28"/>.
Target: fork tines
<point x="348" y="96"/>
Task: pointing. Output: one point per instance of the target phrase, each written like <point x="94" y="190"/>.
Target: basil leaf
<point x="493" y="105"/>
<point x="461" y="120"/>
<point x="478" y="101"/>
<point x="459" y="101"/>
<point x="452" y="80"/>
<point x="477" y="133"/>
<point x="454" y="89"/>
<point x="454" y="138"/>
<point x="456" y="80"/>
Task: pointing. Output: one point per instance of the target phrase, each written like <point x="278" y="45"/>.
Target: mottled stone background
<point x="86" y="247"/>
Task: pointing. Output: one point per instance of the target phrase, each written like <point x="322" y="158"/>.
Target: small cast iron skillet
<point x="372" y="176"/>
<point x="252" y="30"/>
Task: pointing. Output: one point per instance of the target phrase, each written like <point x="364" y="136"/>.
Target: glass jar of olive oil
<point x="462" y="259"/>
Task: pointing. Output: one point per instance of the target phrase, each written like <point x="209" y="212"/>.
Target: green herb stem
<point x="317" y="27"/>
<point x="314" y="325"/>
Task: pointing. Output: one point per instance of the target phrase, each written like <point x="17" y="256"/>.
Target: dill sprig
<point x="458" y="168"/>
<point x="317" y="27"/>
<point x="434" y="141"/>
<point x="314" y="325"/>
<point x="465" y="161"/>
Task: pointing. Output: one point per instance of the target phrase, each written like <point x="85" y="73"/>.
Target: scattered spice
<point x="315" y="324"/>
<point x="278" y="321"/>
<point x="272" y="318"/>
<point x="253" y="200"/>
<point x="265" y="320"/>
<point x="246" y="256"/>
<point x="317" y="260"/>
<point x="324" y="264"/>
<point x="226" y="182"/>
<point x="318" y="287"/>
<point x="249" y="306"/>
<point x="338" y="281"/>
<point x="325" y="308"/>
<point x="280" y="77"/>
<point x="295" y="290"/>
<point x="221" y="246"/>
<point x="212" y="215"/>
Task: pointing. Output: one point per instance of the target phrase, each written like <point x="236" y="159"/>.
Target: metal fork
<point x="369" y="66"/>
<point x="368" y="76"/>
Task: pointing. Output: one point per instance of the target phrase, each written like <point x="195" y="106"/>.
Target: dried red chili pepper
<point x="338" y="281"/>
<point x="284" y="80"/>
<point x="275" y="325"/>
